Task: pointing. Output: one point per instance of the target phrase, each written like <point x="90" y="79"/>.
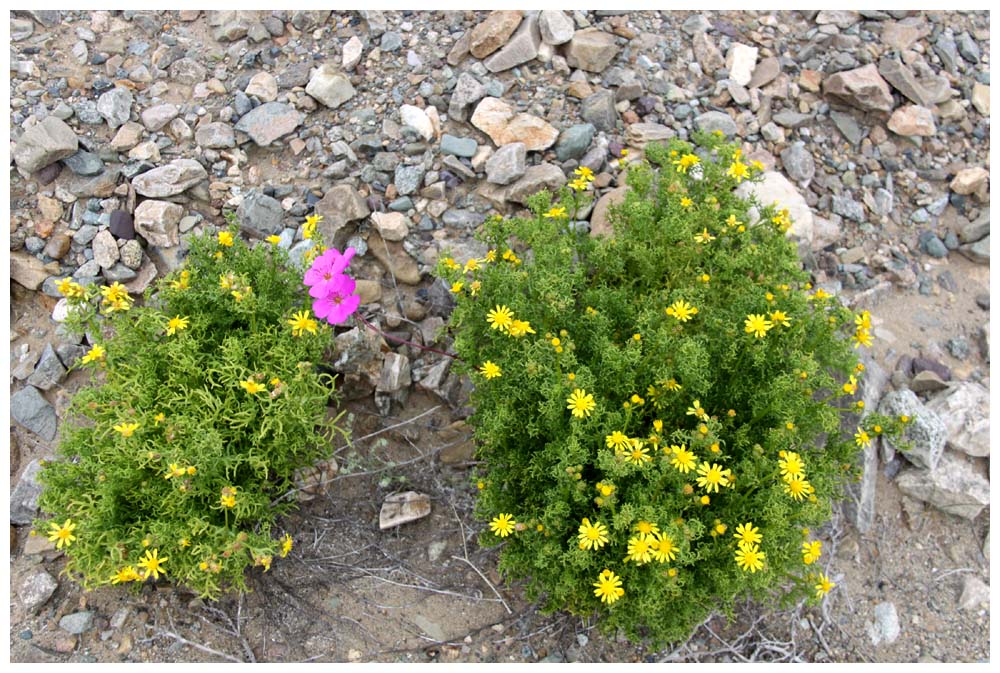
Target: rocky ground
<point x="132" y="130"/>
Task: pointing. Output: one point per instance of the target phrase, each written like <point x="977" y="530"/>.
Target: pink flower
<point x="339" y="302"/>
<point x="323" y="273"/>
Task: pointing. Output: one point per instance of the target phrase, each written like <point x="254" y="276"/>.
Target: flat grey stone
<point x="885" y="628"/>
<point x="115" y="106"/>
<point x="36" y="589"/>
<point x="33" y="411"/>
<point x="170" y="179"/>
<point x="954" y="486"/>
<point x="268" y="122"/>
<point x="507" y="164"/>
<point x="716" y="121"/>
<point x="84" y="163"/>
<point x="77" y="622"/>
<point x="574" y="142"/>
<point x="49" y="371"/>
<point x="260" y="215"/>
<point x="599" y="110"/>
<point x="459" y="147"/>
<point x="44" y="143"/>
<point x="24" y="497"/>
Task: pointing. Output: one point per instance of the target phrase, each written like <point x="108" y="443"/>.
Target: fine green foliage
<point x="204" y="403"/>
<point x="640" y="397"/>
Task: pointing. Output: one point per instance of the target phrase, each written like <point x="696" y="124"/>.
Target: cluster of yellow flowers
<point x="474" y="265"/>
<point x="748" y="556"/>
<point x="502" y="319"/>
<point x="115" y="298"/>
<point x="584" y="178"/>
<point x="71" y="290"/>
<point x="863" y="329"/>
<point x="793" y="475"/>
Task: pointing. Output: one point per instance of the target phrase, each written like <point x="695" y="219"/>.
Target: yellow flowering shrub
<point x="178" y="458"/>
<point x="655" y="441"/>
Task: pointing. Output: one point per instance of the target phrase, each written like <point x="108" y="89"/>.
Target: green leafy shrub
<point x="659" y="412"/>
<point x="204" y="403"/>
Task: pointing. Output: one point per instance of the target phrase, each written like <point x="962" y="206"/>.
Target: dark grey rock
<point x="967" y="47"/>
<point x="946" y="49"/>
<point x="848" y="126"/>
<point x="599" y="110"/>
<point x="978" y="252"/>
<point x="77" y="622"/>
<point x="24" y="497"/>
<point x="119" y="273"/>
<point x="904" y="81"/>
<point x="268" y="122"/>
<point x="798" y="163"/>
<point x="49" y="371"/>
<point x="86" y="112"/>
<point x="847" y="207"/>
<point x="716" y="121"/>
<point x="462" y="219"/>
<point x="31" y="410"/>
<point x="459" y="147"/>
<point x="574" y="141"/>
<point x="409" y="179"/>
<point x="260" y="215"/>
<point x="933" y="246"/>
<point x="790" y="120"/>
<point x="84" y="163"/>
<point x="121" y="225"/>
<point x="293" y="75"/>
<point x="391" y="41"/>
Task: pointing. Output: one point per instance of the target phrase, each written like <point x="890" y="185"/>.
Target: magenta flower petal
<point x="328" y="286"/>
<point x="341" y="263"/>
<point x="344" y="309"/>
<point x="322" y="266"/>
<point x="322" y="307"/>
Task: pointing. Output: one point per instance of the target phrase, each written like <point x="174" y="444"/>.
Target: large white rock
<point x="329" y="86"/>
<point x="741" y="61"/>
<point x="416" y="118"/>
<point x="776" y="188"/>
<point x="954" y="486"/>
<point x="965" y="410"/>
<point x="556" y="27"/>
<point x="351" y="55"/>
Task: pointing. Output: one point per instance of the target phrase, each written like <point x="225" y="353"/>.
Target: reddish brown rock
<point x="862" y="88"/>
<point x="912" y="120"/>
<point x="498" y="120"/>
<point x="494" y="31"/>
